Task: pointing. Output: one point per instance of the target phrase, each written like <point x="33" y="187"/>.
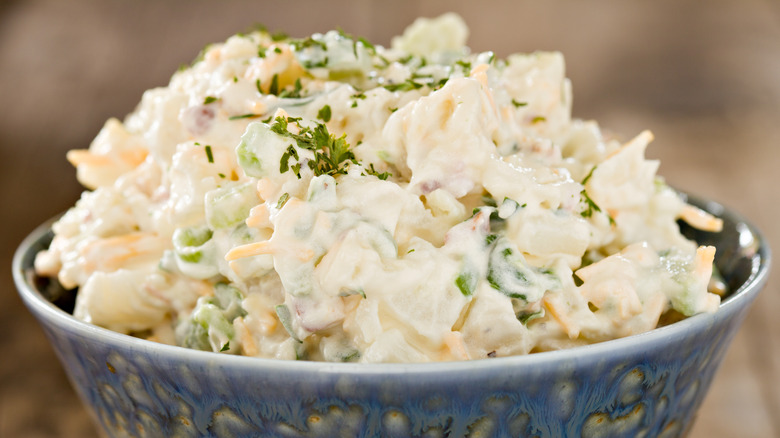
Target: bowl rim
<point x="742" y="297"/>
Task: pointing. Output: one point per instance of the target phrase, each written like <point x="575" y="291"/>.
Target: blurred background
<point x="703" y="76"/>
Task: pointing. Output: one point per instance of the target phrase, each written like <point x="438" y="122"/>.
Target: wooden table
<point x="704" y="76"/>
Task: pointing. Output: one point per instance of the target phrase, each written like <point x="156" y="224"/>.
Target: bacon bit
<point x="700" y="219"/>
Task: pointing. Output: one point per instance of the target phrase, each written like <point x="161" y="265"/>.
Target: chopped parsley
<point x="406" y="85"/>
<point x="371" y="171"/>
<point x="518" y="104"/>
<point x="244" y="116"/>
<point x="282" y="200"/>
<point x="209" y="154"/>
<point x="259" y="88"/>
<point x="209" y="99"/>
<point x="359" y="95"/>
<point x="587" y="177"/>
<point x="279" y="36"/>
<point x="274" y="88"/>
<point x="324" y="114"/>
<point x="294" y="93"/>
<point x="466" y="283"/>
<point x="590" y="205"/>
<point x="465" y="65"/>
<point x="538" y="119"/>
<point x="332" y="156"/>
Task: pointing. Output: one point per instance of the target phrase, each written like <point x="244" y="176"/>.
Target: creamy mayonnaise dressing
<point x="326" y="199"/>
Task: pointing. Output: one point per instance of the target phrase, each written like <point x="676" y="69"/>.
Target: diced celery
<point x="207" y="329"/>
<point x="509" y="273"/>
<point x="228" y="206"/>
<point x="189" y="243"/>
<point x="195" y="252"/>
<point x="229" y="298"/>
<point x="680" y="269"/>
<point x="260" y="150"/>
<point x="210" y="325"/>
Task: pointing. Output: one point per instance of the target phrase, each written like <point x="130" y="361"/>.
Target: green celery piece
<point x="188" y="243"/>
<point x="229" y="206"/>
<point x="260" y="150"/>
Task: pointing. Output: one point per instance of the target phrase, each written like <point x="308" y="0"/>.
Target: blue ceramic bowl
<point x="646" y="385"/>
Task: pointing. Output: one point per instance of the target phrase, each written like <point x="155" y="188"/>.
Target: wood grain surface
<point x="703" y="76"/>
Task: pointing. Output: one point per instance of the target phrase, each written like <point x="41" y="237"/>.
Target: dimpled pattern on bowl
<point x="647" y="385"/>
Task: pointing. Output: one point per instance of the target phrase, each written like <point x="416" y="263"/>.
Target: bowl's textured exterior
<point x="647" y="385"/>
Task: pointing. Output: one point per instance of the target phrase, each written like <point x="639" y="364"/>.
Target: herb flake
<point x="324" y="114"/>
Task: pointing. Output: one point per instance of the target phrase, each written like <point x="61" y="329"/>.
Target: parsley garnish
<point x="282" y="200"/>
<point x="225" y="347"/>
<point x="466" y="283"/>
<point x="538" y="119"/>
<point x="324" y="114"/>
<point x="284" y="165"/>
<point x="465" y="65"/>
<point x="209" y="155"/>
<point x="440" y="83"/>
<point x="587" y="177"/>
<point x="356" y="96"/>
<point x="257" y="84"/>
<point x="371" y="171"/>
<point x="332" y="155"/>
<point x="279" y="36"/>
<point x="274" y="88"/>
<point x="406" y="85"/>
<point x="518" y="104"/>
<point x="209" y="99"/>
<point x="590" y="205"/>
<point x="296" y="91"/>
<point x="244" y="116"/>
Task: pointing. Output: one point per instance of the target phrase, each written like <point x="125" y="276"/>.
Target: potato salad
<point x="323" y="198"/>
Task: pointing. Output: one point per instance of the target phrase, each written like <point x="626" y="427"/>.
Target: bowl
<point x="645" y="385"/>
